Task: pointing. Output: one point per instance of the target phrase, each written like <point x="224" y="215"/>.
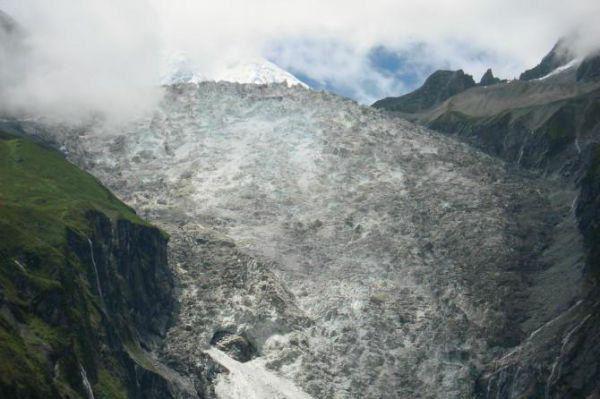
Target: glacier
<point x="362" y="255"/>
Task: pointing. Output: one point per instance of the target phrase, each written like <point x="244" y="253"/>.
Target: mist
<point x="79" y="58"/>
<point x="76" y="59"/>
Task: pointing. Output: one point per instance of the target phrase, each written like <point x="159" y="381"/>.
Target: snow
<point x="251" y="380"/>
<point x="257" y="71"/>
<point x="563" y="68"/>
<point x="180" y="69"/>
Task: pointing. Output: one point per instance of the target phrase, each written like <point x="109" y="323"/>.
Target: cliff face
<point x="84" y="286"/>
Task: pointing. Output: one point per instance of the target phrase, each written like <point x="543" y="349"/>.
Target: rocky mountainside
<point x="438" y="87"/>
<point x="559" y="56"/>
<point x="85" y="292"/>
<point x="329" y="250"/>
<point x="547" y="122"/>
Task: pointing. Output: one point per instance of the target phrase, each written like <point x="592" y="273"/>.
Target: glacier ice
<point x="363" y="256"/>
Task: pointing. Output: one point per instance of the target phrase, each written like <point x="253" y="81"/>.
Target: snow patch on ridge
<point x="562" y="68"/>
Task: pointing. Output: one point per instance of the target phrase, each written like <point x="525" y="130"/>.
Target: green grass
<point x="109" y="387"/>
<point x="40" y="183"/>
<point x="42" y="197"/>
<point x="18" y="369"/>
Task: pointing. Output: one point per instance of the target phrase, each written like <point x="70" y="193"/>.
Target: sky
<point x="106" y="54"/>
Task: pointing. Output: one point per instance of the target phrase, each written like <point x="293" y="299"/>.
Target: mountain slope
<point x="549" y="122"/>
<point x="84" y="285"/>
<point x="360" y="255"/>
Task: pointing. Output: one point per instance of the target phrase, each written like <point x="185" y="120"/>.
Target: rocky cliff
<point x="85" y="291"/>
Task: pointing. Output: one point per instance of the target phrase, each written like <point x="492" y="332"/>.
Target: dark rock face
<point x="438" y="87"/>
<point x="86" y="295"/>
<point x="543" y="137"/>
<point x="588" y="208"/>
<point x="488" y="79"/>
<point x="130" y="259"/>
<point x="131" y="294"/>
<point x="234" y="345"/>
<point x="589" y="70"/>
<point x="557" y="57"/>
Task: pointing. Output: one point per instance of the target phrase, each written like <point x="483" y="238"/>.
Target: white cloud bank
<point x="99" y="54"/>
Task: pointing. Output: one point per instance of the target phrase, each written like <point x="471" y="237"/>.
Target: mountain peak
<point x="488" y="78"/>
<point x="257" y="71"/>
<point x="560" y="55"/>
<point x="253" y="71"/>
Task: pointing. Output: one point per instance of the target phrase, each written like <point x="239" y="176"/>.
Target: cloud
<point x="335" y="66"/>
<point x="99" y="54"/>
<point x="78" y="58"/>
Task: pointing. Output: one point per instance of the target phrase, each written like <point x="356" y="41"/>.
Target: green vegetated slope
<point x="77" y="268"/>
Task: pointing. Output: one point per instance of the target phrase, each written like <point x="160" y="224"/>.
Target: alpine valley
<point x="265" y="240"/>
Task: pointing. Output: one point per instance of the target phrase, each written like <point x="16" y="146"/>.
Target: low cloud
<point x="104" y="55"/>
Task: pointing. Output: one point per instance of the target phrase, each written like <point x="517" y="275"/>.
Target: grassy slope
<point x="41" y="196"/>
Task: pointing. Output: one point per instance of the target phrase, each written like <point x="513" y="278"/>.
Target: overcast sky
<point x="89" y="51"/>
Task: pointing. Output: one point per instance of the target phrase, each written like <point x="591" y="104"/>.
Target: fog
<point x="81" y="57"/>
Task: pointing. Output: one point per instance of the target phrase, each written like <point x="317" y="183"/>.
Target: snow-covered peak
<point x="180" y="69"/>
<point x="257" y="71"/>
